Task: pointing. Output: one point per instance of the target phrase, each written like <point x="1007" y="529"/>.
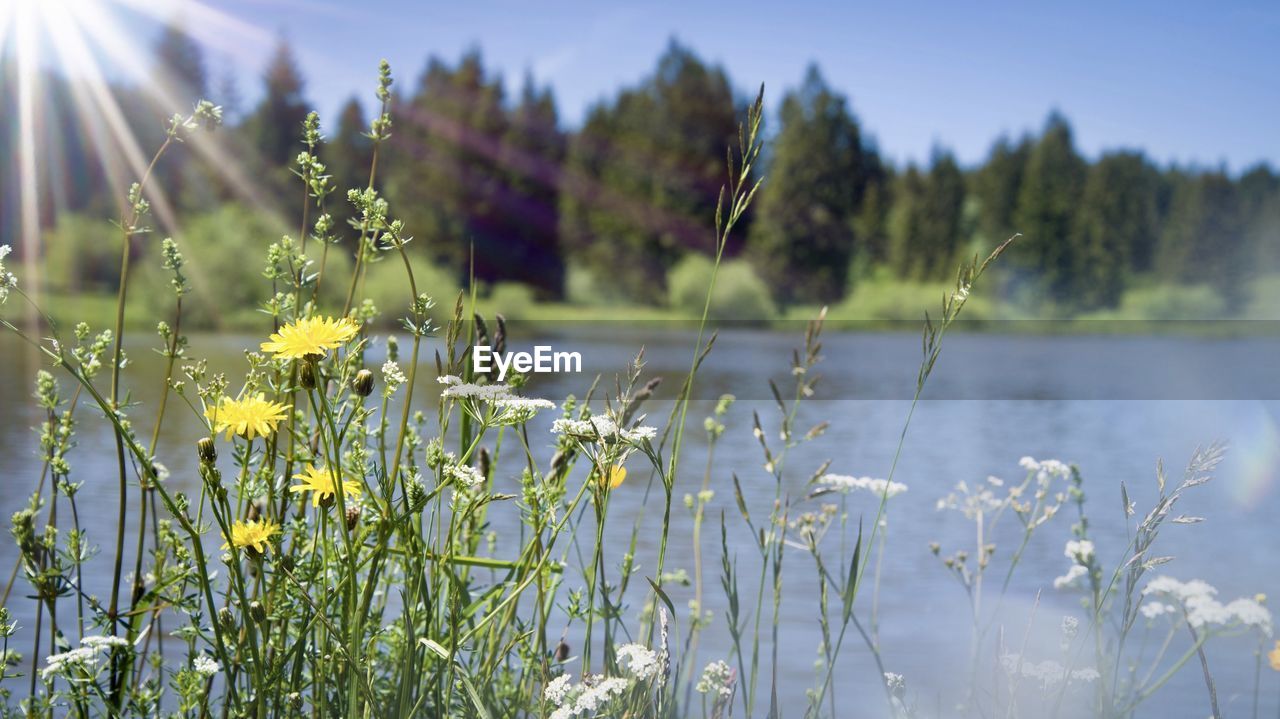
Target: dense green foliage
<point x="495" y="188"/>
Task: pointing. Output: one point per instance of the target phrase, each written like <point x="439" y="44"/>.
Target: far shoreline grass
<point x="98" y="311"/>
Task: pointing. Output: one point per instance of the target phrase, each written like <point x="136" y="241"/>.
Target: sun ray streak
<point x="29" y="183"/>
<point x="71" y="46"/>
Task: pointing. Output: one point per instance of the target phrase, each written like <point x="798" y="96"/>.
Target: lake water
<point x="1114" y="405"/>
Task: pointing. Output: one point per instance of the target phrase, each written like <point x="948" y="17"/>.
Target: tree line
<point x="495" y="187"/>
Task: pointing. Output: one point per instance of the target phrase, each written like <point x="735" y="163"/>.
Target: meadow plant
<point x="337" y="559"/>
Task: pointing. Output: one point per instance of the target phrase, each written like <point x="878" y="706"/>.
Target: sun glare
<point x="91" y="43"/>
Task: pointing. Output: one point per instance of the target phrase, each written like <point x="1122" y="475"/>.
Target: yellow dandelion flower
<point x="247" y="417"/>
<point x="613" y="476"/>
<point x="1274" y="657"/>
<point x="322" y="483"/>
<point x="311" y="337"/>
<point x="252" y="534"/>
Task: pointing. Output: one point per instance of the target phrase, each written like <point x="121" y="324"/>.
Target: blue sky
<point x="1185" y="81"/>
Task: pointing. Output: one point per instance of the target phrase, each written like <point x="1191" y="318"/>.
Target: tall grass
<point x="337" y="558"/>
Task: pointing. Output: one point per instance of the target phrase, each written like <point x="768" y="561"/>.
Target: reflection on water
<point x="1113" y="405"/>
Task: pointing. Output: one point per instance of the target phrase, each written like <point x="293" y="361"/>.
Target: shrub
<point x="1173" y="302"/>
<point x="225" y="270"/>
<point x="739" y="293"/>
<point x="82" y="254"/>
<point x="386" y="284"/>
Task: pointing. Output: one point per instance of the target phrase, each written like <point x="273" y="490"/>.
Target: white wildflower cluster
<point x="717" y="679"/>
<point x="975" y="501"/>
<point x="470" y="390"/>
<point x="602" y="427"/>
<point x="1199" y="600"/>
<point x="1049" y="673"/>
<point x="844" y="484"/>
<point x="1034" y="499"/>
<point x="518" y="410"/>
<point x="104" y="642"/>
<point x="56" y="664"/>
<point x="558" y="689"/>
<point x="392" y="378"/>
<point x="586" y="699"/>
<point x="504" y="408"/>
<point x="1080" y="552"/>
<point x="1046" y="469"/>
<point x="811" y="526"/>
<point x="895" y="682"/>
<point x="205" y="666"/>
<point x="463" y="474"/>
<point x="1072" y="576"/>
<point x="7" y="280"/>
<point x="639" y="660"/>
<point x="86" y="657"/>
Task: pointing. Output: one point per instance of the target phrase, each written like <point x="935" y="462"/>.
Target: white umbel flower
<point x="7" y="280"/>
<point x="463" y="474"/>
<point x="204" y="665"/>
<point x="716" y="679"/>
<point x="641" y="661"/>
<point x="844" y="484"/>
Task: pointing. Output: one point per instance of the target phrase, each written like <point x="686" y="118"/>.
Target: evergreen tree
<point x="944" y="210"/>
<point x="179" y="69"/>
<point x="275" y="126"/>
<point x="926" y="234"/>
<point x="996" y="187"/>
<point x="447" y="184"/>
<point x="1115" y="228"/>
<point x="871" y="226"/>
<point x="1048" y="195"/>
<point x="803" y="240"/>
<point x="644" y="173"/>
<point x="532" y="153"/>
<point x="1202" y="241"/>
<point x="348" y="155"/>
<point x="904" y="258"/>
<point x="1260" y="215"/>
<point x="179" y="76"/>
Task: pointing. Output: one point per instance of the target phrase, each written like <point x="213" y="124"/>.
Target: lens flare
<point x="87" y="42"/>
<point x="1257" y="447"/>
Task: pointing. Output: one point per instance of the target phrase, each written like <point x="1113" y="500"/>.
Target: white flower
<point x="205" y="665"/>
<point x="511" y="409"/>
<point x="1049" y="673"/>
<point x="1151" y="610"/>
<point x="1088" y="674"/>
<point x="7" y="280"/>
<point x="104" y="642"/>
<point x="463" y="474"/>
<point x="597" y="695"/>
<point x="1079" y="550"/>
<point x="1069" y="579"/>
<point x="641" y="661"/>
<point x="84" y="658"/>
<point x="392" y="377"/>
<point x="895" y="682"/>
<point x="1070" y="625"/>
<point x="449" y="379"/>
<point x="1199" y="600"/>
<point x="1251" y="613"/>
<point x="880" y="487"/>
<point x="469" y="390"/>
<point x="717" y="678"/>
<point x="602" y="427"/>
<point x="558" y="689"/>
